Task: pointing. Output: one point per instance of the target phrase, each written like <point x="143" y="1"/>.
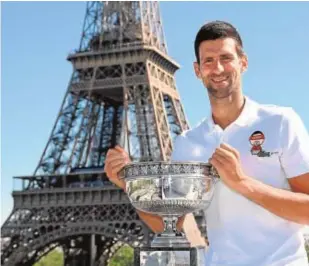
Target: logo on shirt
<point x="257" y="139"/>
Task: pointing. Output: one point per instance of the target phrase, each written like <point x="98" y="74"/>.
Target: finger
<point x="113" y="152"/>
<point x="216" y="163"/>
<point x="115" y="161"/>
<point x="230" y="148"/>
<point x="112" y="169"/>
<point x="115" y="164"/>
<point x="119" y="148"/>
<point x="122" y="162"/>
<point x="116" y="157"/>
<point x="112" y="158"/>
<point x="116" y="171"/>
<point x="224" y="153"/>
<point x="222" y="159"/>
<point x="120" y="152"/>
<point x="116" y="180"/>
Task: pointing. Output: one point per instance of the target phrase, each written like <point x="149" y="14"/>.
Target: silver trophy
<point x="170" y="190"/>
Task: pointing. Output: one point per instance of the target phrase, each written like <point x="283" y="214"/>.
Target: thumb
<point x="119" y="148"/>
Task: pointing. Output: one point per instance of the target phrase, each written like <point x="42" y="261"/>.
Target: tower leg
<point x="93" y="250"/>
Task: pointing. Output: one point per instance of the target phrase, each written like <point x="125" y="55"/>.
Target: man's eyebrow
<point x="221" y="55"/>
<point x="226" y="54"/>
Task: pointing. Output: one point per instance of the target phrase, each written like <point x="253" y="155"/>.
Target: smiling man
<point x="261" y="153"/>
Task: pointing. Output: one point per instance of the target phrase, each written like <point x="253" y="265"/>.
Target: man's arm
<point x="294" y="158"/>
<point x="293" y="206"/>
<point x="290" y="205"/>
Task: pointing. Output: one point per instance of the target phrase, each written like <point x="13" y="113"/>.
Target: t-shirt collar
<point x="243" y="119"/>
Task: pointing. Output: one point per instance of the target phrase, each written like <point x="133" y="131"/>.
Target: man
<point x="261" y="153"/>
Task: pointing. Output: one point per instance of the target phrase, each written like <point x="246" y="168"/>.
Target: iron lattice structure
<point x="122" y="91"/>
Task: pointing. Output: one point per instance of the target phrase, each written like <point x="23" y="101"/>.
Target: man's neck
<point x="226" y="111"/>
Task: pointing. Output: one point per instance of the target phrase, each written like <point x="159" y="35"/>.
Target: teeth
<point x="219" y="80"/>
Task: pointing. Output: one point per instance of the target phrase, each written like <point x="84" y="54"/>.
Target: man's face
<point x="220" y="67"/>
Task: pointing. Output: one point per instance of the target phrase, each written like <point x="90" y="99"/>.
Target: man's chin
<point x="219" y="94"/>
<point x="223" y="86"/>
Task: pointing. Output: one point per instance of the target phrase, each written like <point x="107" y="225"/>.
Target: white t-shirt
<point x="274" y="146"/>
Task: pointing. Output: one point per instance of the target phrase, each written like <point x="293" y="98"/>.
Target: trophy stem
<point x="170" y="237"/>
<point x="170" y="225"/>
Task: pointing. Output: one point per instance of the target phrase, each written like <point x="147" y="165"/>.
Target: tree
<point x="123" y="257"/>
<point x="307" y="249"/>
<point x="52" y="258"/>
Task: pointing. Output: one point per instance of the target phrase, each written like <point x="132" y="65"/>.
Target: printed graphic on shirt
<point x="257" y="139"/>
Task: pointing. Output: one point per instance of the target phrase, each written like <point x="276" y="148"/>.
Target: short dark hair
<point x="217" y="30"/>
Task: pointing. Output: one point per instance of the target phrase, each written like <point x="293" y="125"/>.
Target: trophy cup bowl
<point x="170" y="190"/>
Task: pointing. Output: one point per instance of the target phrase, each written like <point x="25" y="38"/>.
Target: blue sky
<point x="37" y="37"/>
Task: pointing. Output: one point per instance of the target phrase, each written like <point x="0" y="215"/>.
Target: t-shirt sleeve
<point x="294" y="141"/>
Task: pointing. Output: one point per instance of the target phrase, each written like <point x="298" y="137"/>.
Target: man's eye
<point x="226" y="58"/>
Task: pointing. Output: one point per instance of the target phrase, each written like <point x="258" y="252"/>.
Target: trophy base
<point x="165" y="240"/>
<point x="169" y="256"/>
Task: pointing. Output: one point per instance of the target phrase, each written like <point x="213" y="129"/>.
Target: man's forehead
<point x="224" y="45"/>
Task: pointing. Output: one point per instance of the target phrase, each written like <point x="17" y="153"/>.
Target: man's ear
<point x="244" y="63"/>
<point x="196" y="67"/>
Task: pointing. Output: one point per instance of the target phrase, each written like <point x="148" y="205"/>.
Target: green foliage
<point x="123" y="257"/>
<point x="307" y="249"/>
<point x="53" y="258"/>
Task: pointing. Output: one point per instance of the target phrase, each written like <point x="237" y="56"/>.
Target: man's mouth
<point x="219" y="79"/>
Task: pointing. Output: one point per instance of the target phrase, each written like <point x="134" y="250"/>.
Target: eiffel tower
<point x="122" y="91"/>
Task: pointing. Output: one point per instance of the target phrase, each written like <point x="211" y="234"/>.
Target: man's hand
<point x="226" y="160"/>
<point x="115" y="160"/>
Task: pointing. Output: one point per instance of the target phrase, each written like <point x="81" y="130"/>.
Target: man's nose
<point x="218" y="67"/>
